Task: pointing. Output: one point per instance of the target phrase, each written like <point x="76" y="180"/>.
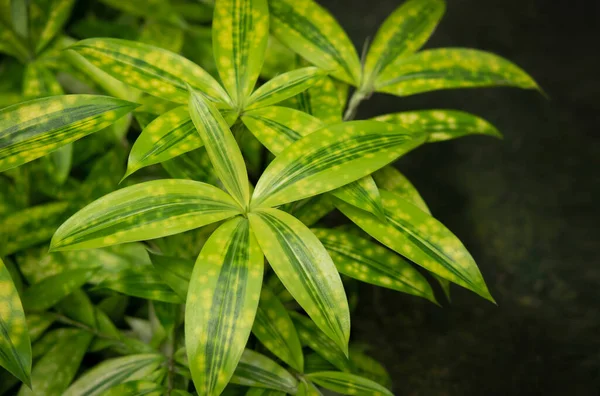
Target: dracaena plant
<point x="217" y="262"/>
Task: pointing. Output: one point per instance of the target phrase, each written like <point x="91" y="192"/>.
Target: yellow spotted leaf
<point x="390" y="179"/>
<point x="322" y="100"/>
<point x="57" y="14"/>
<point x="257" y="370"/>
<point x="39" y="82"/>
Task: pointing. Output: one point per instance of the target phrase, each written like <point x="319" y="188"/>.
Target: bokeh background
<point x="526" y="208"/>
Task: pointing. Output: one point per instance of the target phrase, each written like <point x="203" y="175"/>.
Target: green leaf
<point x="15" y="347"/>
<point x="390" y="179"/>
<point x="363" y="194"/>
<point x="368" y="367"/>
<point x="37" y="324"/>
<point x="311" y="31"/>
<point x="193" y="165"/>
<point x="114" y="371"/>
<point x="143" y="283"/>
<point x="315" y="339"/>
<point x="150" y="69"/>
<point x="257" y="370"/>
<point x="137" y="388"/>
<point x="58" y="14"/>
<point x="284" y="86"/>
<point x="264" y="392"/>
<point x="11" y="44"/>
<point x="366" y="261"/>
<point x="39" y="82"/>
<point x="403" y="32"/>
<point x="175" y="272"/>
<point x="221" y="147"/>
<point x="315" y="362"/>
<point x="32" y="129"/>
<point x="162" y="35"/>
<point x="77" y="306"/>
<point x="144" y="211"/>
<point x="422" y="239"/>
<point x="311" y="210"/>
<point x="275" y="330"/>
<point x="240" y="34"/>
<point x="322" y="101"/>
<point x="53" y="373"/>
<point x="307" y="388"/>
<point x="51" y="290"/>
<point x="347" y="384"/>
<point x="152" y="9"/>
<point x="446" y="68"/>
<point x="304" y="267"/>
<point x="330" y="158"/>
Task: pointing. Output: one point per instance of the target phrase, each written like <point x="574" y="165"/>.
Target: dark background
<point x="523" y="206"/>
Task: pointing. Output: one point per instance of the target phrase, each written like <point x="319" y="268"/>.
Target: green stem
<point x="358" y="96"/>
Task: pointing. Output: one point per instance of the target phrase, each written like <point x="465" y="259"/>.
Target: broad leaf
<point x="137" y="388"/>
<point x="32" y="129"/>
<point x="15" y="347"/>
<point x="422" y="239"/>
<point x="348" y="384"/>
<point x="51" y="290"/>
<point x="311" y="31"/>
<point x="221" y="304"/>
<point x="175" y="272"/>
<point x="390" y="179"/>
<point x="257" y="370"/>
<point x="58" y="14"/>
<point x="143" y="283"/>
<point x="144" y="211"/>
<point x="240" y="34"/>
<point x="275" y="330"/>
<point x="304" y="267"/>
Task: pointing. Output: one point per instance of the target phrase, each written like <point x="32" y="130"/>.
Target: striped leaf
<point x="144" y="211"/>
<point x="15" y="346"/>
<point x="53" y="373"/>
<point x="137" y="388"/>
<point x="275" y="330"/>
<point x="175" y="272"/>
<point x="59" y="12"/>
<point x="150" y="69"/>
<point x="221" y="304"/>
<point x="284" y="86"/>
<point x="330" y="158"/>
<point x="221" y="147"/>
<point x="51" y="290"/>
<point x="32" y="129"/>
<point x="143" y="283"/>
<point x="446" y="68"/>
<point x="240" y="35"/>
<point x="348" y="384"/>
<point x="369" y="262"/>
<point x="304" y="267"/>
<point x="422" y="239"/>
<point x="363" y="194"/>
<point x="313" y="33"/>
<point x="322" y="101"/>
<point x="390" y="179"/>
<point x="403" y="32"/>
<point x="257" y="370"/>
<point x="114" y="371"/>
<point x="40" y="82"/>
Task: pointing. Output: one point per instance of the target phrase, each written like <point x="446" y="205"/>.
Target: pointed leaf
<point x="221" y="304"/>
<point x="144" y="211"/>
<point x="311" y="31"/>
<point x="304" y="267"/>
<point x="51" y="290"/>
<point x="32" y="129"/>
<point x="257" y="370"/>
<point x="175" y="272"/>
<point x="58" y="14"/>
<point x="143" y="283"/>
<point x="348" y="384"/>
<point x="390" y="179"/>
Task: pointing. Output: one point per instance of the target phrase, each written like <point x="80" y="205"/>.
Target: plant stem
<point x="357" y="96"/>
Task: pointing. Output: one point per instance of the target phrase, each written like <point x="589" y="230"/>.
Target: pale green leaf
<point x="175" y="272"/>
<point x="144" y="211"/>
<point x="304" y="267"/>
<point x="390" y="179"/>
<point x="257" y="370"/>
<point x="348" y="384"/>
<point x="57" y="16"/>
<point x="221" y="304"/>
<point x="143" y="283"/>
<point x="162" y="35"/>
<point x="60" y="163"/>
<point x="137" y="388"/>
<point x="51" y="290"/>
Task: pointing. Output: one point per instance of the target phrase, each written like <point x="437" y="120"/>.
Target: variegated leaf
<point x="390" y="179"/>
<point x="240" y="34"/>
<point x="58" y="14"/>
<point x="422" y="239"/>
<point x="39" y="82"/>
<point x="363" y="194"/>
<point x="369" y="262"/>
<point x="330" y="158"/>
<point x="322" y="100"/>
<point x="278" y="59"/>
<point x="137" y="388"/>
<point x="313" y="33"/>
<point x="304" y="267"/>
<point x="404" y="31"/>
<point x="51" y="290"/>
<point x="257" y="370"/>
<point x="15" y="346"/>
<point x="221" y="147"/>
<point x="12" y="44"/>
<point x="143" y="283"/>
<point x="32" y="129"/>
<point x="175" y="272"/>
<point x="221" y="304"/>
<point x="275" y="330"/>
<point x="150" y="69"/>
<point x="446" y="68"/>
<point x="348" y="384"/>
<point x="144" y="211"/>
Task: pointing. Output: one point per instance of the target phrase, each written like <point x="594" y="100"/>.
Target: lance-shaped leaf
<point x="322" y="100"/>
<point x="311" y="31"/>
<point x="221" y="304"/>
<point x="240" y="35"/>
<point x="275" y="330"/>
<point x="330" y="158"/>
<point x="446" y="68"/>
<point x="175" y="272"/>
<point x="304" y="267"/>
<point x="58" y="13"/>
<point x="403" y="32"/>
<point x="32" y="129"/>
<point x="39" y="82"/>
<point x="150" y="69"/>
<point x="284" y="86"/>
<point x="315" y="339"/>
<point x="348" y="384"/>
<point x="422" y="239"/>
<point x="369" y="262"/>
<point x="144" y="211"/>
<point x="137" y="388"/>
<point x="441" y="125"/>
<point x="15" y="347"/>
<point x="390" y="179"/>
<point x="363" y="194"/>
<point x="257" y="370"/>
<point x="115" y="371"/>
<point x="51" y="290"/>
<point x="53" y="373"/>
<point x="143" y="283"/>
<point x="221" y="147"/>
